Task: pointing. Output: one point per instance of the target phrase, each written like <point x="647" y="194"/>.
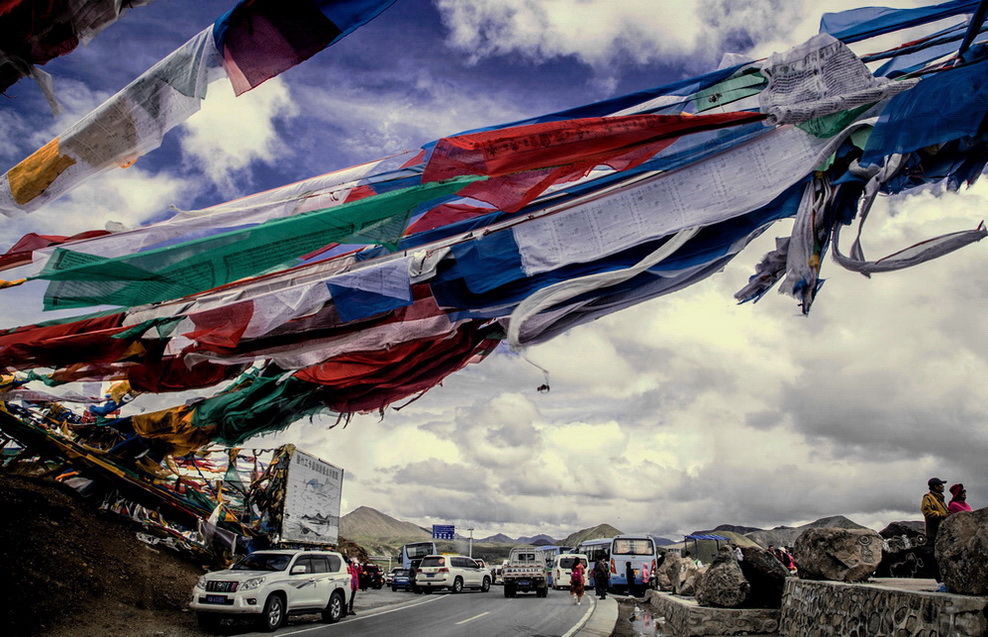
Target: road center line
<point x="474" y="617"/>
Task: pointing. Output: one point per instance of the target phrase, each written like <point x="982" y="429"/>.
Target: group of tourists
<point x="782" y="554"/>
<point x="935" y="509"/>
<point x="577" y="580"/>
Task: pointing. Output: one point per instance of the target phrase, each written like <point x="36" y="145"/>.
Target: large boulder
<point x="668" y="572"/>
<point x="681" y="573"/>
<point x="911" y="529"/>
<point x="723" y="585"/>
<point x="691" y="577"/>
<point x="906" y="552"/>
<point x="767" y="577"/>
<point x="962" y="552"/>
<point x="838" y="555"/>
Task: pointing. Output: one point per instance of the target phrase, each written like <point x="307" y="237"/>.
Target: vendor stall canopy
<point x="366" y="286"/>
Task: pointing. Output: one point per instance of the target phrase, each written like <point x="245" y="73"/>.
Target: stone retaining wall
<point x="685" y="618"/>
<point x="819" y="609"/>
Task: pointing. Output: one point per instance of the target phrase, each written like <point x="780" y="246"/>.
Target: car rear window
<point x="570" y="562"/>
<point x="432" y="561"/>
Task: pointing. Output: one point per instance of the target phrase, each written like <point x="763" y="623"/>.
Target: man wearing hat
<point x="934" y="508"/>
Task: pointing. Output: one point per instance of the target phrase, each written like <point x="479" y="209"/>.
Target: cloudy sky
<point x="679" y="414"/>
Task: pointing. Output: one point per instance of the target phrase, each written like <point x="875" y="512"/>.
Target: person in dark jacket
<point x="601" y="575"/>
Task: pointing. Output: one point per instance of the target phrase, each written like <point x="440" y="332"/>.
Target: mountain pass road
<point x="446" y="615"/>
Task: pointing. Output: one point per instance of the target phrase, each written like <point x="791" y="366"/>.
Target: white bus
<point x="414" y="552"/>
<point x="634" y="555"/>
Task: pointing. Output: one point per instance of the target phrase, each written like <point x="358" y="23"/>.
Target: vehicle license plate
<point x="524" y="582"/>
<point x="216" y="599"/>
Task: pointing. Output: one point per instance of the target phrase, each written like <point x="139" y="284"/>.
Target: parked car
<point x="371" y="577"/>
<point x="454" y="572"/>
<point x="401" y="579"/>
<point x="270" y="585"/>
<point x="562" y="568"/>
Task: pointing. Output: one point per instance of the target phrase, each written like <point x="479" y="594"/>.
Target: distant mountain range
<point x="370" y="526"/>
<point x="733" y="528"/>
<point x="381" y="533"/>
<point x="786" y="535"/>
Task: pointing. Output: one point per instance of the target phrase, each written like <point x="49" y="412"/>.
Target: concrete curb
<point x="601" y="621"/>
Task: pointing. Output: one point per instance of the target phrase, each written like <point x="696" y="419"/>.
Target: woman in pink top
<point x="354" y="583"/>
<point x="959" y="501"/>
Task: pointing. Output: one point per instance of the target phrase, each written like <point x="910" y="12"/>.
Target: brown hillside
<point x="593" y="533"/>
<point x="70" y="569"/>
<point x="365" y="522"/>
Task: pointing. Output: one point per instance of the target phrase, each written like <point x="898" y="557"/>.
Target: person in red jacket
<point x="354" y="583"/>
<point x="958" y="501"/>
<point x="577" y="583"/>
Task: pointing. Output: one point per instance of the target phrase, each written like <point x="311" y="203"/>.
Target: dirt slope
<point x="70" y="569"/>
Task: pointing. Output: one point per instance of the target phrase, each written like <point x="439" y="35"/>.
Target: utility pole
<point x="471" y="541"/>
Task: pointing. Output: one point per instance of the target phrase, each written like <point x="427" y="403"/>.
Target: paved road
<point x="445" y="615"/>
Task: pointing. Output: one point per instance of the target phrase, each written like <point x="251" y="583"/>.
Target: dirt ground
<point x="70" y="569"/>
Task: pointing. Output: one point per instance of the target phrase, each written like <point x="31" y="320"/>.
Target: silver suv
<point x="273" y="584"/>
<point x="454" y="572"/>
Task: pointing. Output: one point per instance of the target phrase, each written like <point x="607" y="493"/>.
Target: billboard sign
<point x="313" y="491"/>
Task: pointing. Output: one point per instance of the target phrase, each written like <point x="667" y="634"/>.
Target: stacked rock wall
<point x="685" y="618"/>
<point x="836" y="609"/>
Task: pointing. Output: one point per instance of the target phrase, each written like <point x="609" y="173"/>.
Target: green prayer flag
<point x="190" y="267"/>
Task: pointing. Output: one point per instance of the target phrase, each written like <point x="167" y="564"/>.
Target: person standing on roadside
<point x="601" y="573"/>
<point x="958" y="500"/>
<point x="577" y="583"/>
<point x="934" y="509"/>
<point x="354" y="583"/>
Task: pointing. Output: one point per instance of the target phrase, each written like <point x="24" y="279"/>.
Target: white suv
<point x="454" y="572"/>
<point x="273" y="584"/>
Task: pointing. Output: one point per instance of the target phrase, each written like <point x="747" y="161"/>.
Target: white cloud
<point x="402" y="110"/>
<point x="690" y="411"/>
<point x="230" y="133"/>
<point x="601" y="33"/>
